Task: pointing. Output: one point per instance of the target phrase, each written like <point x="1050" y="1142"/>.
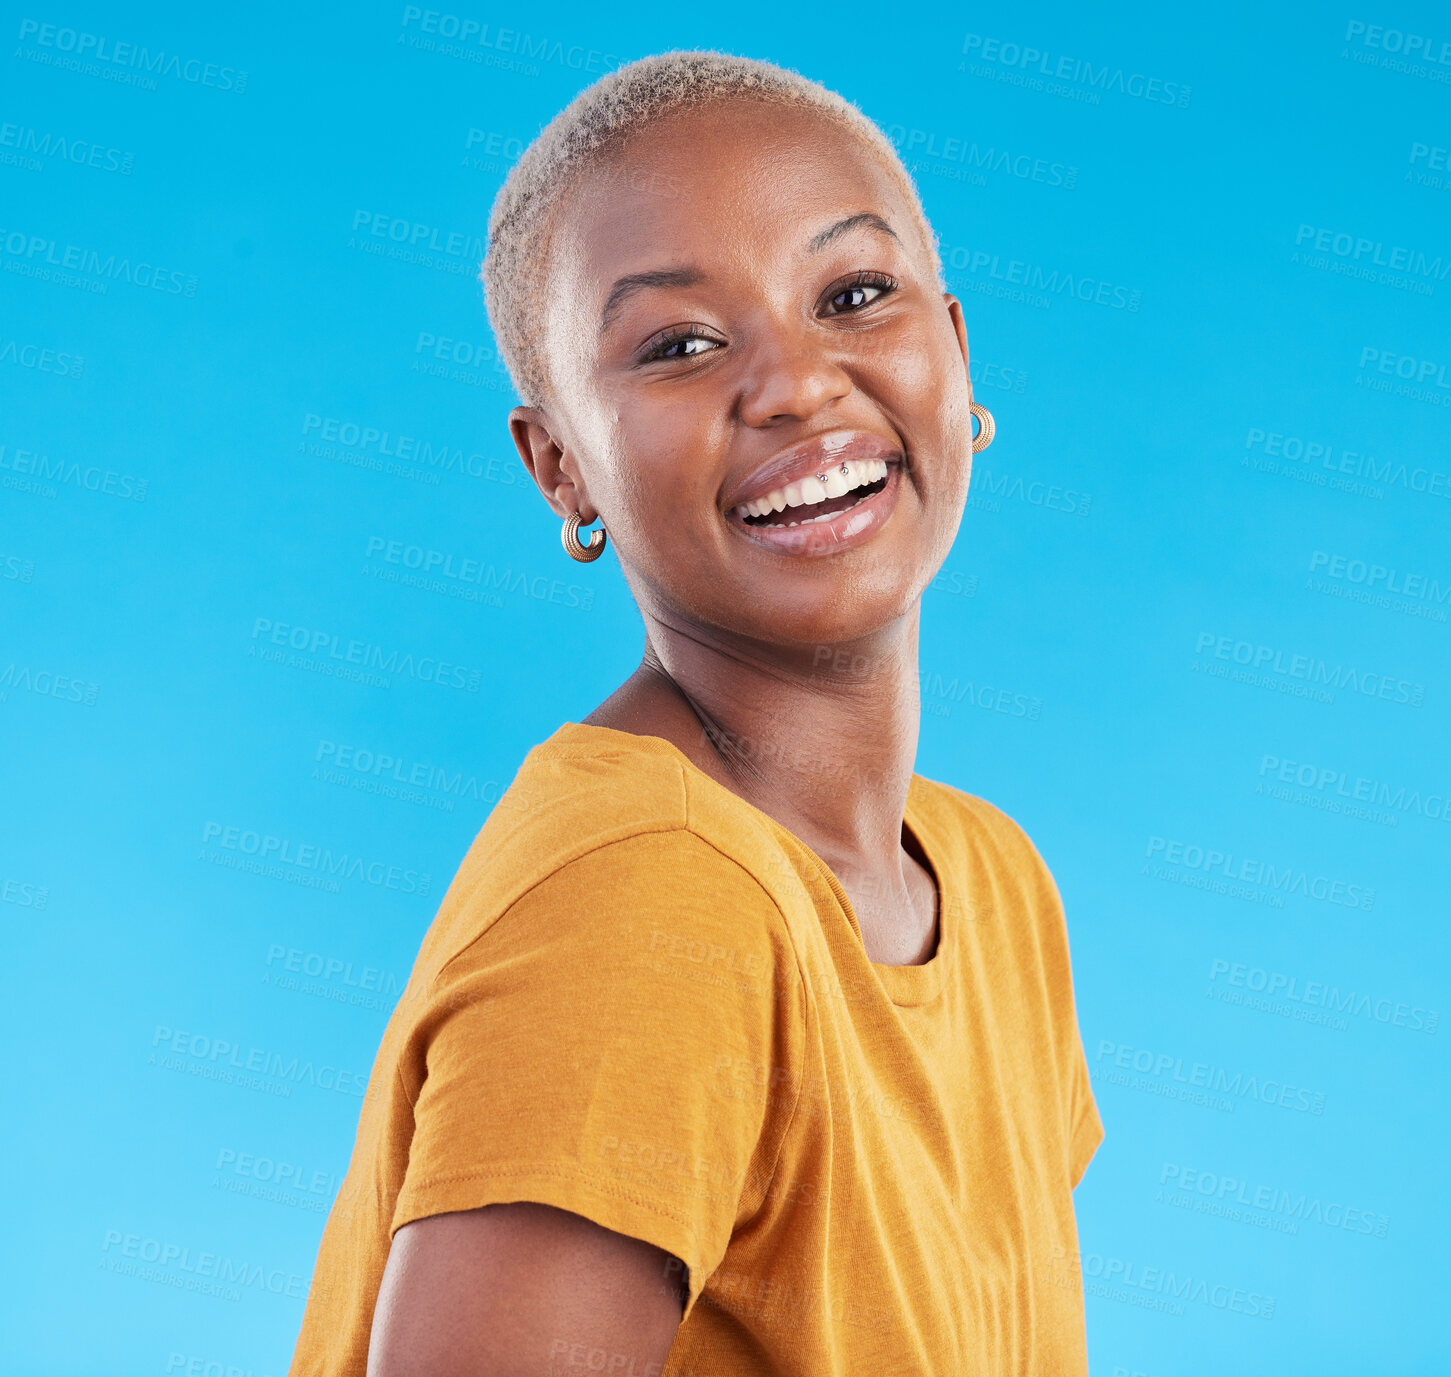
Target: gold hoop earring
<point x="985" y="427"/>
<point x="574" y="547"/>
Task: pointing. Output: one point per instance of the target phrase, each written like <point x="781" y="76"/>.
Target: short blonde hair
<point x="596" y="123"/>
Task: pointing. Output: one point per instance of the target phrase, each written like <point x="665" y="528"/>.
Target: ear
<point x="959" y="323"/>
<point x="548" y="463"/>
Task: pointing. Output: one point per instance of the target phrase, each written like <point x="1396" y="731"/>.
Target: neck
<point x="821" y="738"/>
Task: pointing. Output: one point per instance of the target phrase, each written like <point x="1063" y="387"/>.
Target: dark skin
<point x="809" y="659"/>
<point x="802" y="302"/>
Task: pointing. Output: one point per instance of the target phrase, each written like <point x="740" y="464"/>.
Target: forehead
<point x="739" y="183"/>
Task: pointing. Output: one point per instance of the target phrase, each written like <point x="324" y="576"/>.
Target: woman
<point x="736" y="1047"/>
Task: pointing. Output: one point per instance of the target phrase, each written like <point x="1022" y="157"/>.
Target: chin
<point x="813" y="618"/>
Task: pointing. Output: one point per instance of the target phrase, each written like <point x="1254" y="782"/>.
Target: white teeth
<point x="808" y="491"/>
<point x="812" y="520"/>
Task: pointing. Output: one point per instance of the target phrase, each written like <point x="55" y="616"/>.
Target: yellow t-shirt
<point x="645" y="1001"/>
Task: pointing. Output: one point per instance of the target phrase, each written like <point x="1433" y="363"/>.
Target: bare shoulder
<point x="511" y="1288"/>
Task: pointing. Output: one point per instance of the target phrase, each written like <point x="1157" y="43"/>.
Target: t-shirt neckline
<point x="903" y="985"/>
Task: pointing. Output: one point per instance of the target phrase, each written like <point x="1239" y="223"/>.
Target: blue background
<point x="1180" y="471"/>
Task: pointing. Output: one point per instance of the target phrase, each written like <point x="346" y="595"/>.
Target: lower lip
<point x="844" y="531"/>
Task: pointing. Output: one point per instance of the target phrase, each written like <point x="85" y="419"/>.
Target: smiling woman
<point x="737" y="1046"/>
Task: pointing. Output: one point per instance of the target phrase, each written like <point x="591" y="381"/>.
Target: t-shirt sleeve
<point x="586" y="1051"/>
<point x="1086" y="1128"/>
<point x="1080" y="1127"/>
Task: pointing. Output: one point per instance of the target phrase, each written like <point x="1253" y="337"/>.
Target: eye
<point x="861" y="290"/>
<point x="679" y="342"/>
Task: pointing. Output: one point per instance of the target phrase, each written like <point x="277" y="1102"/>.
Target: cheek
<point x="954" y="396"/>
<point x="669" y="446"/>
<point x="925" y="374"/>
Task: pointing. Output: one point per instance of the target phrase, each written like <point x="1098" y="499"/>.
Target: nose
<point x="791" y="377"/>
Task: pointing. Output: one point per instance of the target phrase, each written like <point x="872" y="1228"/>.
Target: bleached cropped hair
<point x="595" y="124"/>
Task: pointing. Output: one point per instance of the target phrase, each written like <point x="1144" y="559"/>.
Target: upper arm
<point x="589" y="1050"/>
<point x="509" y="1290"/>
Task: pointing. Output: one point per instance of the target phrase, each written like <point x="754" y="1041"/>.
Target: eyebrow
<point x="635" y="282"/>
<point x="631" y="283"/>
<point x="851" y="222"/>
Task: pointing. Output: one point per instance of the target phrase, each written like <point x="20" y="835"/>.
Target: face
<point x="744" y="332"/>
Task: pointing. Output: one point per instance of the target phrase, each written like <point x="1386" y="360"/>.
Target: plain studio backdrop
<point x="274" y="587"/>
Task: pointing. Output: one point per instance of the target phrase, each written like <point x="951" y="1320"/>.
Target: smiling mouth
<point x="818" y="497"/>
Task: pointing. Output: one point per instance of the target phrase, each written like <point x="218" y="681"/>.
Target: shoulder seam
<point x="984" y="812"/>
<point x="643" y="831"/>
<point x="801" y="982"/>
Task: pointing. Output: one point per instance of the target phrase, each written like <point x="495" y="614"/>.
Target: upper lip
<point x="809" y="457"/>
